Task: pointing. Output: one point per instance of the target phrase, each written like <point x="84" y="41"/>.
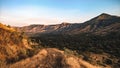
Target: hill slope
<point x="12" y="44"/>
<point x="53" y="58"/>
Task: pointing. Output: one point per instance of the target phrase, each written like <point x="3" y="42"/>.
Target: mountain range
<point x="101" y="24"/>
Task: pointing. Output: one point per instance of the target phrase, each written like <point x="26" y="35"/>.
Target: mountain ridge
<point x="94" y="25"/>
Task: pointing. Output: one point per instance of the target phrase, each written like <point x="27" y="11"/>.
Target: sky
<point x="26" y="12"/>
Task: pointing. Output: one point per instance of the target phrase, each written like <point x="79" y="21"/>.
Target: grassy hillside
<point x="53" y="58"/>
<point x="13" y="45"/>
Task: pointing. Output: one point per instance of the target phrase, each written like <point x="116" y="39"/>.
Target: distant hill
<point x="42" y="28"/>
<point x="99" y="25"/>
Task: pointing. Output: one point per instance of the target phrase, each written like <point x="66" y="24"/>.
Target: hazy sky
<point x="25" y="12"/>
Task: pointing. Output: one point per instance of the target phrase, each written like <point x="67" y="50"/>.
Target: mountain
<point x="102" y="23"/>
<point x="43" y="28"/>
<point x="99" y="25"/>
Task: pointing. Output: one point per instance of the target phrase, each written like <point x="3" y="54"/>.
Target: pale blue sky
<point x="25" y="12"/>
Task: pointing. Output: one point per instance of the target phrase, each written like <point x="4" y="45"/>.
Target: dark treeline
<point x="86" y="42"/>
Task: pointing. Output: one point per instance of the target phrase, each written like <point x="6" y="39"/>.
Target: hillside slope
<point x="53" y="58"/>
<point x="12" y="44"/>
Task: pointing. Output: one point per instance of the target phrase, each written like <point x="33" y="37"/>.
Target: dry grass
<point x="52" y="58"/>
<point x="6" y="28"/>
<point x="13" y="46"/>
